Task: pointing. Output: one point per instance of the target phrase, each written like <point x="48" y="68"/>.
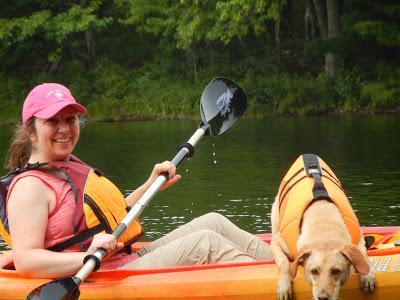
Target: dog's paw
<point x="367" y="282"/>
<point x="284" y="288"/>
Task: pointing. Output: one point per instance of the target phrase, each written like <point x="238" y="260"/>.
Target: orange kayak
<point x="228" y="281"/>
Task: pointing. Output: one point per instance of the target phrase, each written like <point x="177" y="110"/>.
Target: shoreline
<point x="338" y="112"/>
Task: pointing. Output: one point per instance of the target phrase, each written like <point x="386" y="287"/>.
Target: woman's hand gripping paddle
<point x="222" y="103"/>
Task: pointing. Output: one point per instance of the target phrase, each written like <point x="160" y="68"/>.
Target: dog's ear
<point x="304" y="253"/>
<point x="357" y="259"/>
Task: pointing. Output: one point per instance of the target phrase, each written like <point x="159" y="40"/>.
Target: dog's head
<point x="327" y="268"/>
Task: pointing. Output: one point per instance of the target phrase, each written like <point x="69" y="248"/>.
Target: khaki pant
<point x="209" y="239"/>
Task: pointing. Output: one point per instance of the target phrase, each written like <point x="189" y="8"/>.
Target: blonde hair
<point x="20" y="148"/>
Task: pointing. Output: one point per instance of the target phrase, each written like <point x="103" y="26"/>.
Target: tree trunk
<point x="53" y="66"/>
<point x="287" y="16"/>
<point x="328" y="22"/>
<point x="193" y="57"/>
<point x="333" y="30"/>
<point x="89" y="40"/>
<point x="309" y="28"/>
<point x="321" y="17"/>
<point x="278" y="42"/>
<point x="90" y="45"/>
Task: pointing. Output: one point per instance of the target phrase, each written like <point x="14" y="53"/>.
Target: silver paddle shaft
<point x="139" y="206"/>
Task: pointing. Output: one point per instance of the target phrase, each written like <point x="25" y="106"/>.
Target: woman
<point x="41" y="203"/>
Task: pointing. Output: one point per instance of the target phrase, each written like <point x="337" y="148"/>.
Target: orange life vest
<point x="310" y="179"/>
<point x="100" y="205"/>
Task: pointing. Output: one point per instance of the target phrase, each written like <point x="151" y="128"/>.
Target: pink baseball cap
<point x="46" y="100"/>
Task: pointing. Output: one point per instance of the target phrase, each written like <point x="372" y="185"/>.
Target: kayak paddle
<point x="222" y="103"/>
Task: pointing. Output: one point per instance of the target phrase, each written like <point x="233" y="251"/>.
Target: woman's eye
<point x="71" y="119"/>
<point x="52" y="121"/>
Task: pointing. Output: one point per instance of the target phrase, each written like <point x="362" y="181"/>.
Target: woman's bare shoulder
<point x="30" y="187"/>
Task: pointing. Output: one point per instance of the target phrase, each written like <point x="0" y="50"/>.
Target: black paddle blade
<point x="222" y="103"/>
<point x="60" y="289"/>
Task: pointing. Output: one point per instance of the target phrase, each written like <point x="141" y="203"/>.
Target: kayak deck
<point x="233" y="280"/>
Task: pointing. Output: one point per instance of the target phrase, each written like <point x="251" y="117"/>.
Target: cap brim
<point x="54" y="109"/>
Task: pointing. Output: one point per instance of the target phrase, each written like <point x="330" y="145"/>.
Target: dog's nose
<point x="323" y="297"/>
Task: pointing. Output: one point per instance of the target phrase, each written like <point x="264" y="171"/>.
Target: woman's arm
<point x="28" y="208"/>
<point x="166" y="166"/>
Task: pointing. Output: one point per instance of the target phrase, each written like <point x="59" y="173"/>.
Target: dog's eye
<point x="314" y="272"/>
<point x="335" y="272"/>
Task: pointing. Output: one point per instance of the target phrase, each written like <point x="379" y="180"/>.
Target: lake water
<point x="238" y="172"/>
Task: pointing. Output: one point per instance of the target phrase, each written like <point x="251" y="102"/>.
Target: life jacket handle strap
<point x="313" y="169"/>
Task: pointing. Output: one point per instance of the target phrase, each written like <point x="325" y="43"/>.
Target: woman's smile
<point x="62" y="140"/>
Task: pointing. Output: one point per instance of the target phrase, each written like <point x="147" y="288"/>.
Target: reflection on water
<point x="252" y="158"/>
<point x="239" y="211"/>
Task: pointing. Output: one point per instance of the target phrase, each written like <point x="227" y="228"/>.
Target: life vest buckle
<point x="312" y="171"/>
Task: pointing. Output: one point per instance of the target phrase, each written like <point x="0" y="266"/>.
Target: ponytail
<point x="20" y="148"/>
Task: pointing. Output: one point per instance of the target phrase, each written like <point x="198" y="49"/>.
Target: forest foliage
<point x="142" y="59"/>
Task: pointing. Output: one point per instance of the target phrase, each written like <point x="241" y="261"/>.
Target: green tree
<point x="190" y="22"/>
<point x="370" y="41"/>
<point x="51" y="30"/>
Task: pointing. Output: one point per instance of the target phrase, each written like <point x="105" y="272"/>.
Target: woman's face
<point x="55" y="138"/>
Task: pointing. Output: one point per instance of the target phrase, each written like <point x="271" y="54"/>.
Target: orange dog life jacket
<point x="310" y="179"/>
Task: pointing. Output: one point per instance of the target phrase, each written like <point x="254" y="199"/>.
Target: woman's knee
<point x="215" y="218"/>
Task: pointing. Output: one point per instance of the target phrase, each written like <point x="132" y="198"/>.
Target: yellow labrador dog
<point x="313" y="224"/>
